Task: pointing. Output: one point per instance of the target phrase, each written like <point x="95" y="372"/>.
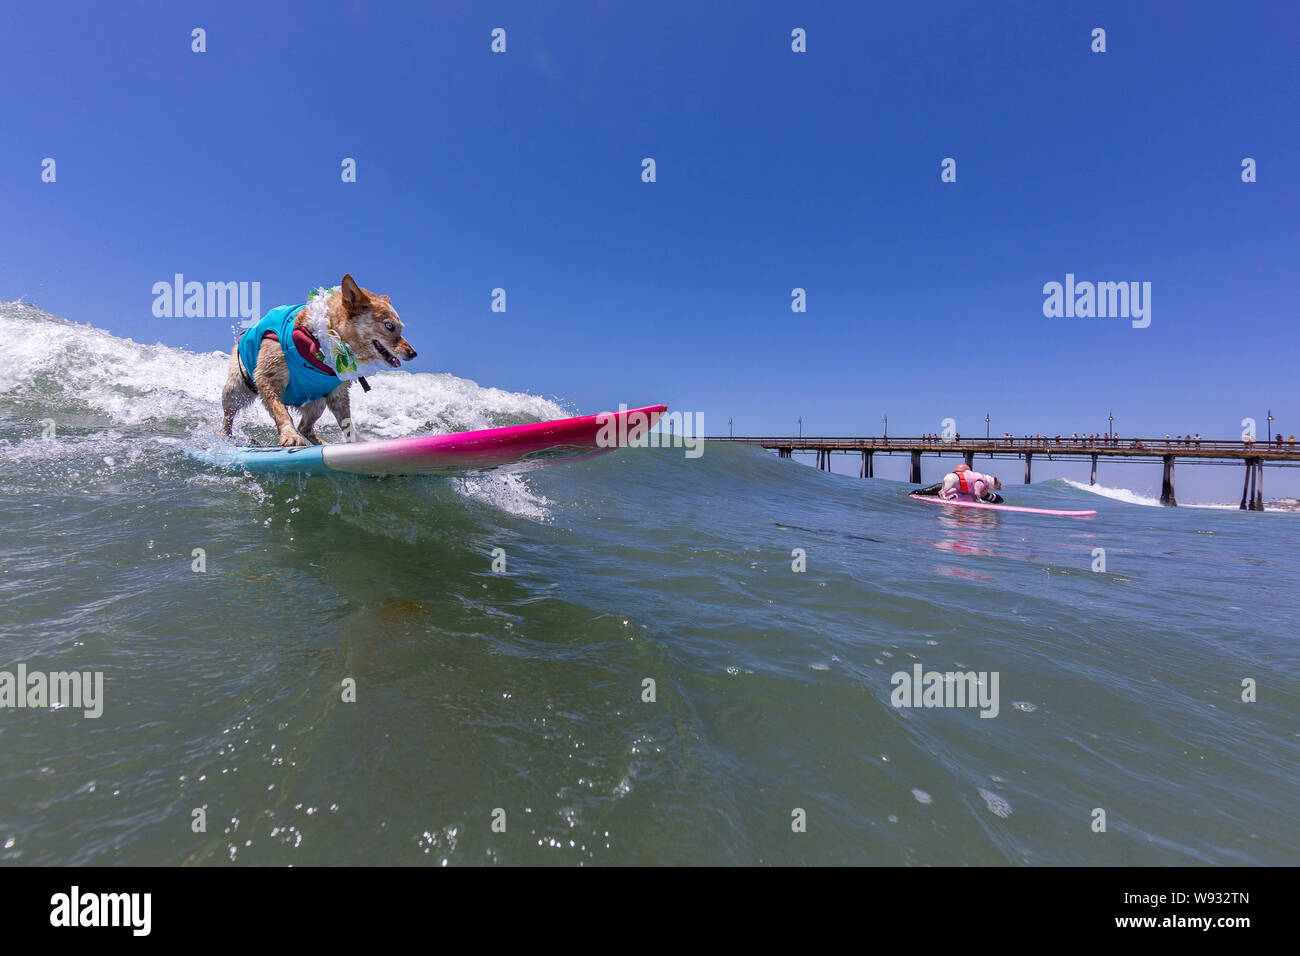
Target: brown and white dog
<point x="289" y="363"/>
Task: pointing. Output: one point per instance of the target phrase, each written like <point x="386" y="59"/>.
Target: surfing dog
<point x="306" y="356"/>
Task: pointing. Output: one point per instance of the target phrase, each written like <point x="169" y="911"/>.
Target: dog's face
<point x="372" y="329"/>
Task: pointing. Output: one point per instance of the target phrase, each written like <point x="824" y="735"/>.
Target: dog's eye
<point x="389" y="326"/>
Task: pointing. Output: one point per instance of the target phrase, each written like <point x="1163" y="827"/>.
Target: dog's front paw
<point x="291" y="439"/>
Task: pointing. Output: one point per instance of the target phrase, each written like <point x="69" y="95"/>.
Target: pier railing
<point x="1142" y="447"/>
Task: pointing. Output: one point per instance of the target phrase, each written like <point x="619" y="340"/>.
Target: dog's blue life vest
<point x="307" y="382"/>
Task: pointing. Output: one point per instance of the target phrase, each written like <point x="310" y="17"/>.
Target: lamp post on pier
<point x="886" y="421"/>
<point x="986" y="426"/>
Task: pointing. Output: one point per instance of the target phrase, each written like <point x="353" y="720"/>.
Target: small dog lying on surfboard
<point x="307" y="355"/>
<point x="963" y="484"/>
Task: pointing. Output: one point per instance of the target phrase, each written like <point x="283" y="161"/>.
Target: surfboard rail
<point x="513" y="446"/>
<point x="992" y="507"/>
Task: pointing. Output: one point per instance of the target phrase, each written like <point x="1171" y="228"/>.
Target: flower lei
<point x="334" y="352"/>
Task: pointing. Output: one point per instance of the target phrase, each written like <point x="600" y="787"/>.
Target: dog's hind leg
<point x="341" y="406"/>
<point x="235" y="395"/>
<point x="309" y="413"/>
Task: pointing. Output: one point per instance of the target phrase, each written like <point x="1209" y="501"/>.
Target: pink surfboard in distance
<point x="993" y="507"/>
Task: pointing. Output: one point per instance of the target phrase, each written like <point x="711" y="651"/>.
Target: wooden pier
<point x="1166" y="451"/>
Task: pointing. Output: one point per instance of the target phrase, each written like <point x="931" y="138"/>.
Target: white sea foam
<point x="402" y="403"/>
<point x="507" y="493"/>
<point x="132" y="383"/>
<point x="125" y="380"/>
<point x="996" y="804"/>
<point x="1115" y="494"/>
<point x="1134" y="498"/>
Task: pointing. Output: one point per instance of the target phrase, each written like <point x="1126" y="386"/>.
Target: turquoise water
<point x="484" y="695"/>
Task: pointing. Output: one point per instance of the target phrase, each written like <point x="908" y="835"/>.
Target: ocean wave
<point x="1147" y="501"/>
<point x="63" y="366"/>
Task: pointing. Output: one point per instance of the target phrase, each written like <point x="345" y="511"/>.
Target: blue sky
<point x="775" y="170"/>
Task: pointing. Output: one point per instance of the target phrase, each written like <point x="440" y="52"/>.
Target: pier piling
<point x="1029" y="459"/>
<point x="970" y="459"/>
<point x="1167" y="483"/>
<point x="1093" y="479"/>
<point x="916" y="468"/>
<point x="1252" y="489"/>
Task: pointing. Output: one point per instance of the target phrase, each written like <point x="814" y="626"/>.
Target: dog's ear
<point x="354" y="300"/>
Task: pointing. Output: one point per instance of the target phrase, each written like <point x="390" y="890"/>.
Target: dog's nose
<point x="410" y="353"/>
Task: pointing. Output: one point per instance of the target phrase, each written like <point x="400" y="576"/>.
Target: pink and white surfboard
<point x="516" y="447"/>
<point x="993" y="507"/>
